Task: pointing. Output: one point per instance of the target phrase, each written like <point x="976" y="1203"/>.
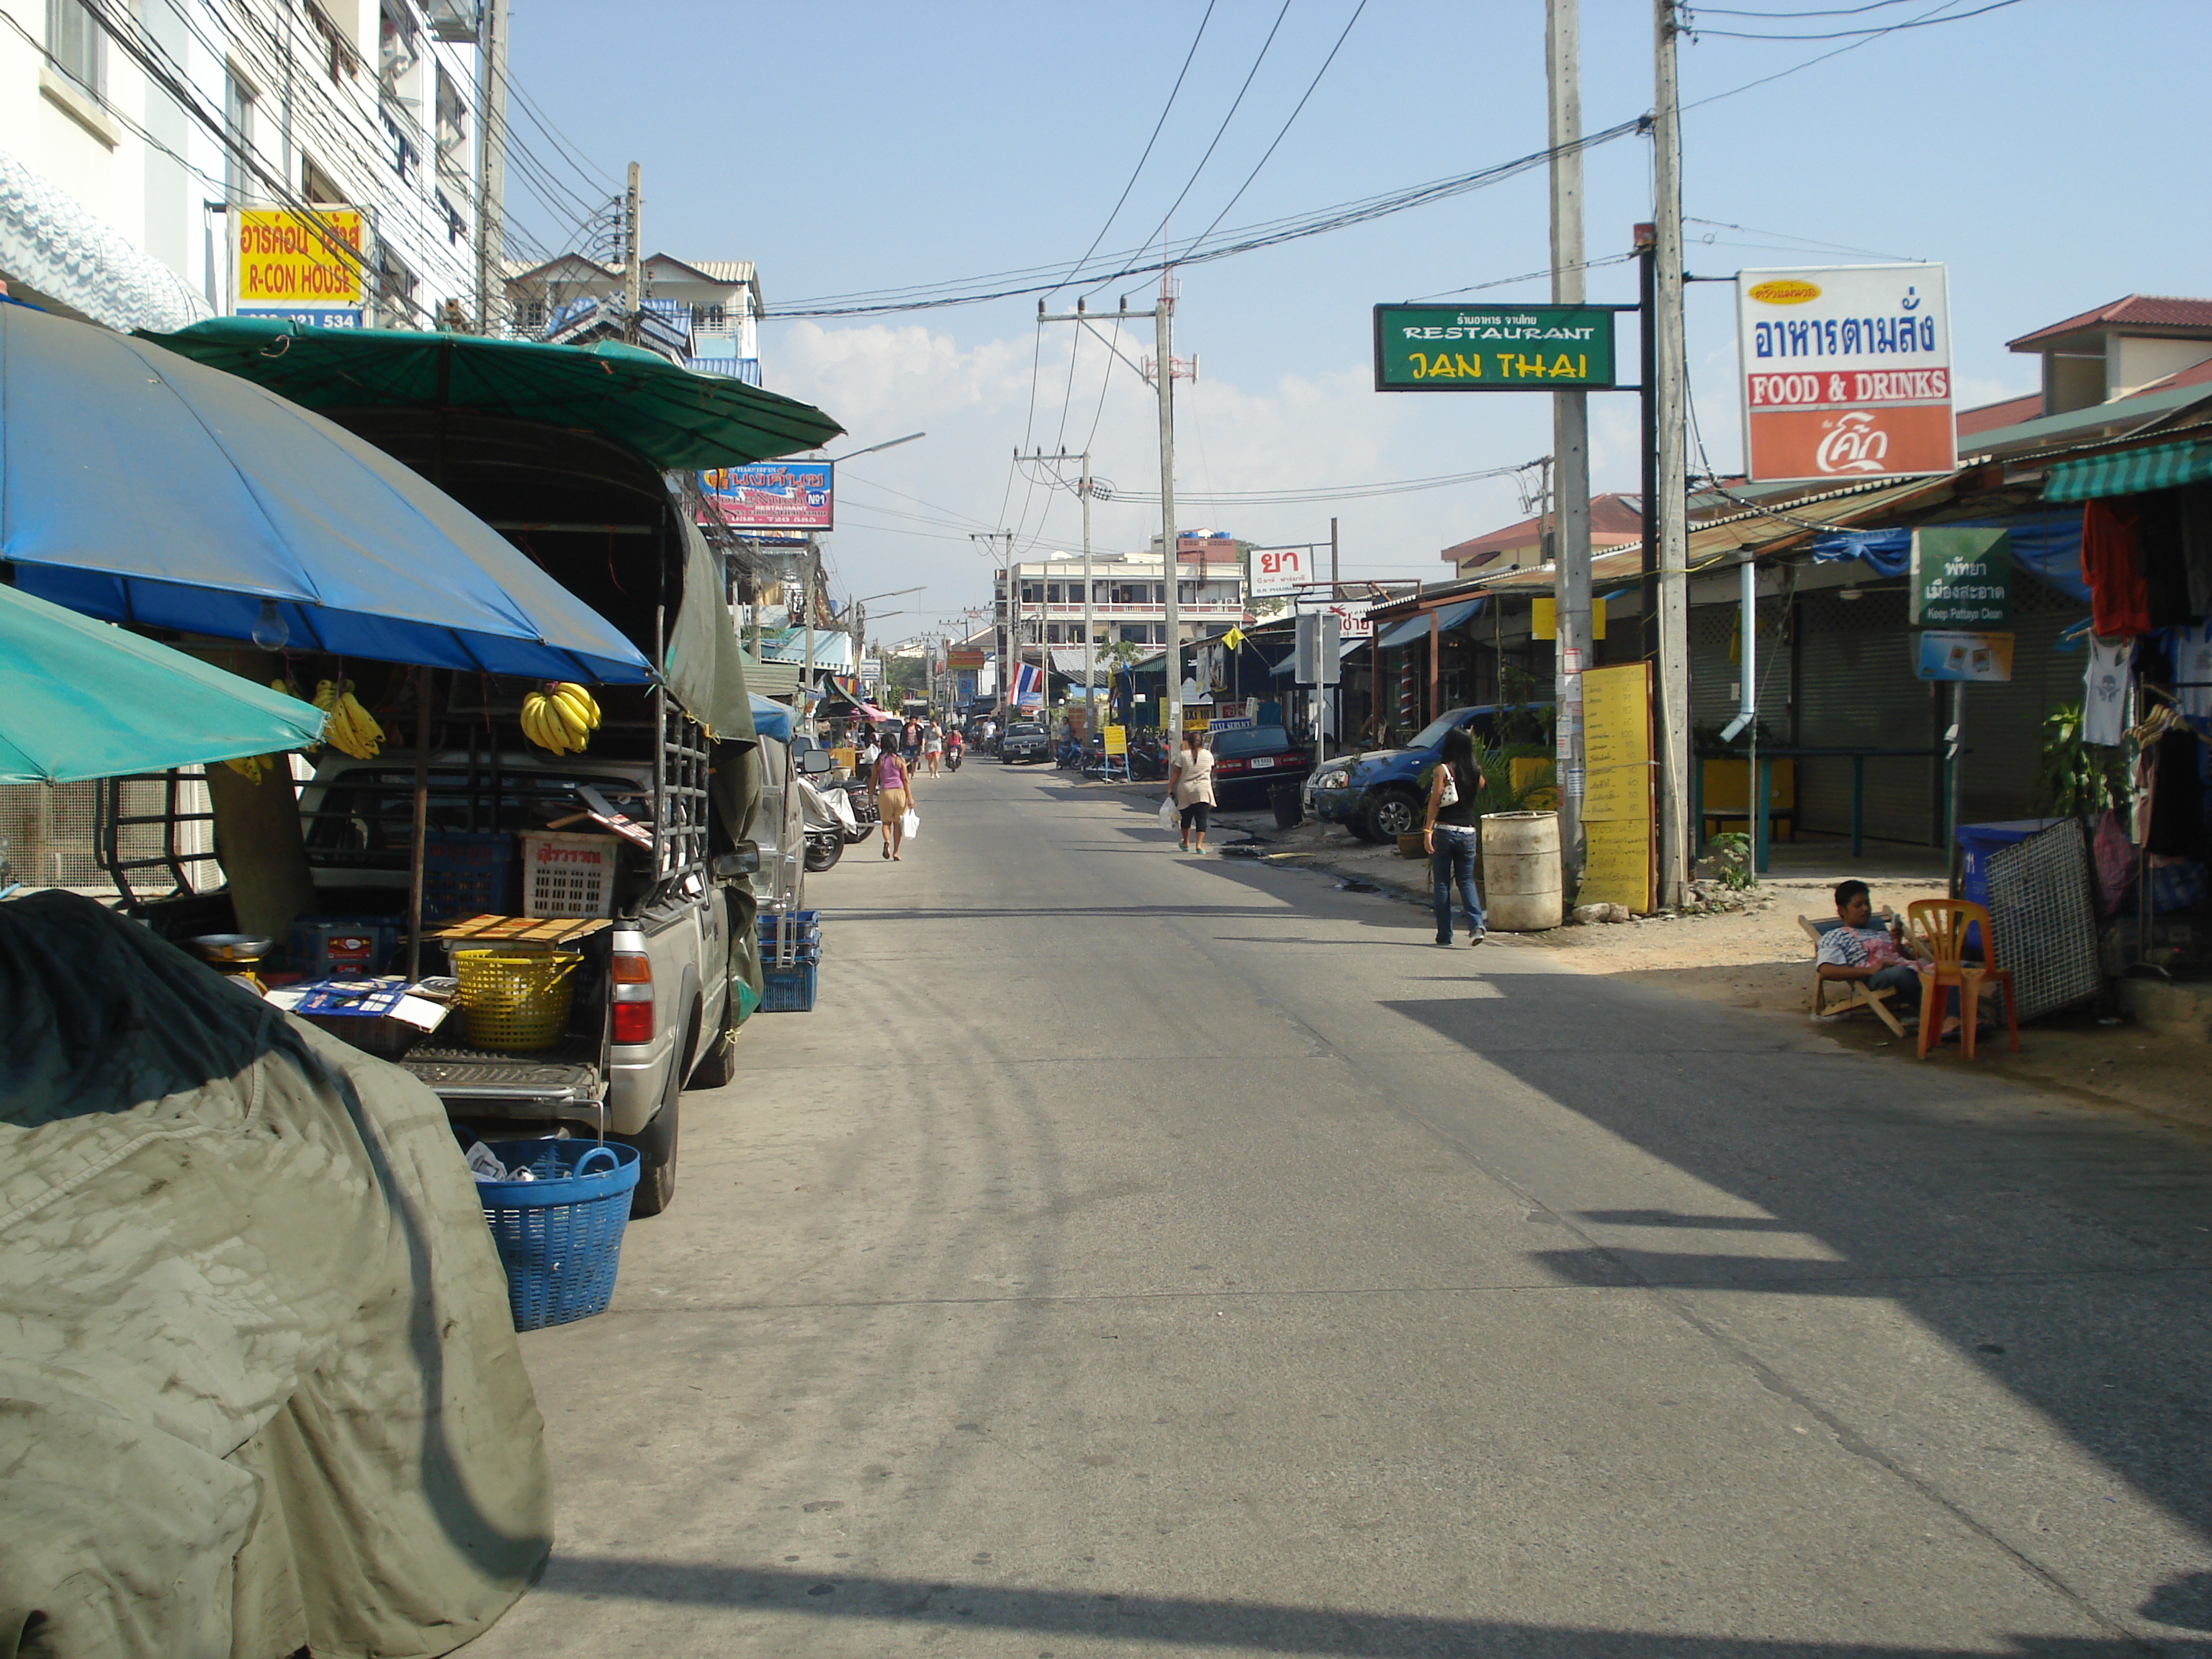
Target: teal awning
<point x="2131" y="472"/>
<point x="1417" y="626"/>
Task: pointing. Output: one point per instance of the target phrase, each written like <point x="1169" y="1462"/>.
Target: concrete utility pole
<point x="633" y="277"/>
<point x="813" y="557"/>
<point x="1164" y="373"/>
<point x="1673" y="473"/>
<point x="491" y="170"/>
<point x="1009" y="598"/>
<point x="1570" y="581"/>
<point x="1090" y="644"/>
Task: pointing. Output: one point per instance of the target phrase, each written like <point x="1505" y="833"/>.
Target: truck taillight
<point x="632" y="974"/>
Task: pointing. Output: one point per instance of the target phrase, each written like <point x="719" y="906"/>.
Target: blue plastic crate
<point x="469" y="873"/>
<point x="788" y="990"/>
<point x="559" y="1235"/>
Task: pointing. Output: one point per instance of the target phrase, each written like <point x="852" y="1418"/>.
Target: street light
<point x="892" y="443"/>
<point x="861" y="609"/>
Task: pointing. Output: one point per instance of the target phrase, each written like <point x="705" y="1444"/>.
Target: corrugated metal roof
<point x="769" y="679"/>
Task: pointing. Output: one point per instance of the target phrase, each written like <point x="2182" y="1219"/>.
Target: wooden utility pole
<point x="1673" y="734"/>
<point x="1570" y="581"/>
<point x="491" y="169"/>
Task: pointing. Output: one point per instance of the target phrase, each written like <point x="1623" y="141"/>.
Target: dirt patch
<point x="1758" y="958"/>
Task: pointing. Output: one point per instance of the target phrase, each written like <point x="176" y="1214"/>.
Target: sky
<point x="846" y="146"/>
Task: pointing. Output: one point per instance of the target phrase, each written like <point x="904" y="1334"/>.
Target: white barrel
<point x="1521" y="871"/>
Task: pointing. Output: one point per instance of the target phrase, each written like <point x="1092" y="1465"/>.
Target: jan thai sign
<point x="308" y="270"/>
<point x="1492" y="348"/>
<point x="773" y="496"/>
<point x="1846" y="373"/>
<point x="1960" y="579"/>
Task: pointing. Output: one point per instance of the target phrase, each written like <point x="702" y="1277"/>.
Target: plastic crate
<point x="467" y="873"/>
<point x="559" y="1235"/>
<point x="565" y="875"/>
<point x="787" y="990"/>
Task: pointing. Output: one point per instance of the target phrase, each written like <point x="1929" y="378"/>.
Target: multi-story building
<point x="703" y="314"/>
<point x="1130" y="594"/>
<point x="135" y="140"/>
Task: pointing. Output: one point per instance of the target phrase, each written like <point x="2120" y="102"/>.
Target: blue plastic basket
<point x="787" y="990"/>
<point x="559" y="1235"/>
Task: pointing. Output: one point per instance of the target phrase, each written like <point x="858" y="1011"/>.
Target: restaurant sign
<point x="1493" y="348"/>
<point x="1845" y="373"/>
<point x="1960" y="579"/>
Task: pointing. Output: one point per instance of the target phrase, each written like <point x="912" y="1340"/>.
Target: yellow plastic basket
<point x="513" y="1002"/>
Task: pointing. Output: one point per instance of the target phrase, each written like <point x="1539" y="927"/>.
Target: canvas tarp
<point x="264" y="1390"/>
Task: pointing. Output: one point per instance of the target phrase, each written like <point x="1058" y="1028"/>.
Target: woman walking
<point x="932" y="746"/>
<point x="892" y="800"/>
<point x="1190" y="784"/>
<point x="1449" y="832"/>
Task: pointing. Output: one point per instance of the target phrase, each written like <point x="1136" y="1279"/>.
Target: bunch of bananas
<point x="352" y="727"/>
<point x="560" y="719"/>
<point x="251" y="766"/>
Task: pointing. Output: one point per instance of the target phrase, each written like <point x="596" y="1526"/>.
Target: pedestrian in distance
<point x="893" y="798"/>
<point x="932" y="746"/>
<point x="1449" y="833"/>
<point x="1190" y="785"/>
<point x="910" y="744"/>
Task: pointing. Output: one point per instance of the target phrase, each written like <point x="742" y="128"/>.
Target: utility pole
<point x="1333" y="697"/>
<point x="633" y="277"/>
<point x="806" y="588"/>
<point x="1090" y="645"/>
<point x="1164" y="373"/>
<point x="491" y="169"/>
<point x="1673" y="472"/>
<point x="1571" y="580"/>
<point x="1009" y="596"/>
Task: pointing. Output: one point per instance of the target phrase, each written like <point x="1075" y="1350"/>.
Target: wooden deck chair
<point x="1855" y="994"/>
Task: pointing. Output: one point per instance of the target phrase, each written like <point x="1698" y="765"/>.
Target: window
<point x="1032" y="593"/>
<point x="396" y="52"/>
<point x="317" y="186"/>
<point x="395" y="291"/>
<point x="530" y="314"/>
<point x="238" y="100"/>
<point x="453" y="129"/>
<point x="77" y="45"/>
<point x="710" y="318"/>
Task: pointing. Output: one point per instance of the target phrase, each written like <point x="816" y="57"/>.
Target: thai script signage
<point x="1353" y="624"/>
<point x="289" y="264"/>
<point x="1279" y="570"/>
<point x="1960" y="579"/>
<point x="1846" y="373"/>
<point x="970" y="657"/>
<point x="776" y="495"/>
<point x="1492" y="348"/>
<point x="1619" y="860"/>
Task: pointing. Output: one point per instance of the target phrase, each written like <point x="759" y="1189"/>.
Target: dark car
<point x="1024" y="742"/>
<point x="1377" y="795"/>
<point x="1251" y="760"/>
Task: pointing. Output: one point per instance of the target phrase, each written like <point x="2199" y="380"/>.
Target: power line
<point x="1845" y="34"/>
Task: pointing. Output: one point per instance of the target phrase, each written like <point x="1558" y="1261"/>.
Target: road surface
<point x="1142" y="1254"/>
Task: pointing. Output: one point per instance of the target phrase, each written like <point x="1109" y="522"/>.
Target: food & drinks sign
<point x="1846" y="373"/>
<point x="1493" y="348"/>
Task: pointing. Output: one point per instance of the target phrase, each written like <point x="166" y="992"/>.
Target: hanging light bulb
<point x="270" y="630"/>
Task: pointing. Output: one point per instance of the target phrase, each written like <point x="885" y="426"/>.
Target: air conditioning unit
<point x="460" y="21"/>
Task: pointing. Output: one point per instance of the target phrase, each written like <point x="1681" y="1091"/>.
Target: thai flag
<point x="1029" y="686"/>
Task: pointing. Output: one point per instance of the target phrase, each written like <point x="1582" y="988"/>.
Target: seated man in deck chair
<point x="1858" y="950"/>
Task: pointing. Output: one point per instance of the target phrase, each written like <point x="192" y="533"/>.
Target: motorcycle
<point x="829" y="823"/>
<point x="860" y="803"/>
<point x="952" y="753"/>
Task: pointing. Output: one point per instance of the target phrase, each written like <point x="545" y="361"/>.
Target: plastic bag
<point x="910" y="825"/>
<point x="1170" y="818"/>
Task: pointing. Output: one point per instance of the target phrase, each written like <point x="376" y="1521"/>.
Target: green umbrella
<point x="83" y="699"/>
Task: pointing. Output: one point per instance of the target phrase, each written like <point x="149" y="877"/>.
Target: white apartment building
<point x="1130" y="594"/>
<point x="133" y="131"/>
<point x="703" y="314"/>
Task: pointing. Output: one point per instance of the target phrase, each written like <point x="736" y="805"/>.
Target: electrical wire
<point x="1846" y="34"/>
<point x="1796" y="69"/>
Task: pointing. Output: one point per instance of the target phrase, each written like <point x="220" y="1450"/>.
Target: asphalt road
<point x="1143" y="1255"/>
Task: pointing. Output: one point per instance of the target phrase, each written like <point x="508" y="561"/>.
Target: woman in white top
<point x="932" y="746"/>
<point x="1190" y="783"/>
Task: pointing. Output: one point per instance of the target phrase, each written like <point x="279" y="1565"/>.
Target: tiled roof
<point x="1614" y="519"/>
<point x="2136" y="311"/>
<point x="1990" y="416"/>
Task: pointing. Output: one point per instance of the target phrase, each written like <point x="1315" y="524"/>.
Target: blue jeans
<point x="1453" y="861"/>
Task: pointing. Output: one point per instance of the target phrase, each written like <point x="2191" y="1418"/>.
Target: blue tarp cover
<point x="2048" y="545"/>
<point x="1415" y="626"/>
<point x="771" y="720"/>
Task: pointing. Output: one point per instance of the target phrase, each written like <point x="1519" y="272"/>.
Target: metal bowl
<point x="233" y="947"/>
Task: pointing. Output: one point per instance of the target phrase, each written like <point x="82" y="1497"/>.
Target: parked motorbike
<point x="860" y="801"/>
<point x="830" y="822"/>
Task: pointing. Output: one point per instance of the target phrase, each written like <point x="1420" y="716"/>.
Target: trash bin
<point x="1980" y="840"/>
<point x="1290" y="810"/>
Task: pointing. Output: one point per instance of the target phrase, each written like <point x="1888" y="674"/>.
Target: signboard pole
<point x="1674" y="468"/>
<point x="1570" y="439"/>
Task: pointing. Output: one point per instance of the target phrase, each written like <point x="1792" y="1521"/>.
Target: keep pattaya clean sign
<point x="1492" y="348"/>
<point x="1960" y="579"/>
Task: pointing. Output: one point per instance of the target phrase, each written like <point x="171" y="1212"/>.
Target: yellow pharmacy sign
<point x="286" y="258"/>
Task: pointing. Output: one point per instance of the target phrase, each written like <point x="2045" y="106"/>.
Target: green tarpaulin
<point x="2167" y="466"/>
<point x="678" y="419"/>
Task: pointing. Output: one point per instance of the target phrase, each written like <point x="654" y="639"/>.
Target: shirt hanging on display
<point x="2105" y="692"/>
<point x="2192" y="671"/>
<point x="2111" y="565"/>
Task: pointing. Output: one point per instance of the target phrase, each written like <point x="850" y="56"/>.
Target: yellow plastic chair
<point x="1942" y="925"/>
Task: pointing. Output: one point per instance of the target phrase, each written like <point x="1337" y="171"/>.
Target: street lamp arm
<point x="872" y="449"/>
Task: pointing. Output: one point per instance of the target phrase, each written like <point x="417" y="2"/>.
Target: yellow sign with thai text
<point x="288" y="258"/>
<point x="1618" y="821"/>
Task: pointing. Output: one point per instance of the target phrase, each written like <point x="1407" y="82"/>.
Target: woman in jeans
<point x="1450" y="831"/>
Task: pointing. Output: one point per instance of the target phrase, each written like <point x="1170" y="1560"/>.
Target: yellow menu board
<point x="1618" y="820"/>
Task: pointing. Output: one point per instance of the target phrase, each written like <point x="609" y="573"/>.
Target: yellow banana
<point x="586" y="704"/>
<point x="541" y="725"/>
<point x="367" y="732"/>
<point x="247" y="767"/>
<point x="574" y="727"/>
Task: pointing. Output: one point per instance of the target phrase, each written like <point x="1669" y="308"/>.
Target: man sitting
<point x="1858" y="950"/>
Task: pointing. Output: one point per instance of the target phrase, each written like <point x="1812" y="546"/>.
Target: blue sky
<point x="2047" y="154"/>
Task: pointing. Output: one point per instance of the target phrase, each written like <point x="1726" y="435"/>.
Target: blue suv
<point x="1377" y="795"/>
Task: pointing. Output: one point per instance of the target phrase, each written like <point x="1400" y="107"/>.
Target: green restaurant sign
<point x="1493" y="348"/>
<point x="1960" y="579"/>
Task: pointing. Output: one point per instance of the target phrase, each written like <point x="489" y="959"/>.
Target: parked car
<point x="1377" y="795"/>
<point x="1248" y="761"/>
<point x="1024" y="742"/>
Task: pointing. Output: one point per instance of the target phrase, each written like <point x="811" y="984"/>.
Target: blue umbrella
<point x="81" y="699"/>
<point x="141" y="486"/>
